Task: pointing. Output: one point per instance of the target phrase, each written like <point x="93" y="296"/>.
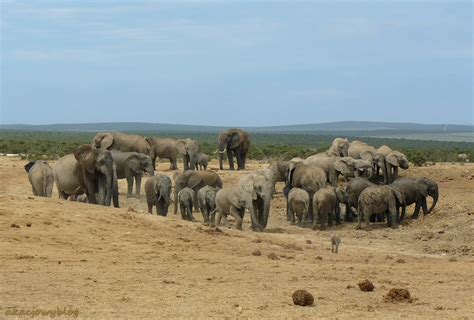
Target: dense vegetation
<point x="280" y="146"/>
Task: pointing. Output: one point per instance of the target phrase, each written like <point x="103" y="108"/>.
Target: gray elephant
<point x="380" y="200"/>
<point x="416" y="190"/>
<point x="361" y="150"/>
<point x="186" y="197"/>
<point x="280" y="169"/>
<point x="263" y="186"/>
<point x="188" y="149"/>
<point x="298" y="205"/>
<point x="121" y="141"/>
<point x="41" y="178"/>
<point x="165" y="148"/>
<point x="235" y="201"/>
<point x="395" y="160"/>
<point x="349" y="195"/>
<point x="202" y="161"/>
<point x="462" y="157"/>
<point x="345" y="166"/>
<point x="235" y="142"/>
<point x="158" y="193"/>
<point x="195" y="180"/>
<point x="89" y="171"/>
<point x="338" y="148"/>
<point x="130" y="166"/>
<point x="326" y="207"/>
<point x="308" y="177"/>
<point x="206" y="197"/>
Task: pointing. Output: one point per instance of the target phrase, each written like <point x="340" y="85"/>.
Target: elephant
<point x="202" y="161"/>
<point x="394" y="160"/>
<point x="235" y="142"/>
<point x="88" y="170"/>
<point x="280" y="169"/>
<point x="416" y="190"/>
<point x="121" y="141"/>
<point x="345" y="166"/>
<point x="298" y="204"/>
<point x="350" y="195"/>
<point x="326" y="207"/>
<point x="263" y="186"/>
<point x="131" y="165"/>
<point x="308" y="177"/>
<point x="462" y="157"/>
<point x="361" y="150"/>
<point x="186" y="197"/>
<point x="188" y="149"/>
<point x="206" y="197"/>
<point x="194" y="180"/>
<point x="158" y="193"/>
<point x="380" y="200"/>
<point x="164" y="148"/>
<point x="235" y="201"/>
<point x="41" y="178"/>
<point x="338" y="148"/>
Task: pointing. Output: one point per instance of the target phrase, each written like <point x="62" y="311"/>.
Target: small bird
<point x="335" y="242"/>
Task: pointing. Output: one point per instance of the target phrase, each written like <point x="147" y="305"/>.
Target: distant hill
<point x="346" y="128"/>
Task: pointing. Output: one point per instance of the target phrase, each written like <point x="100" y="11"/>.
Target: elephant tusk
<point x="223" y="150"/>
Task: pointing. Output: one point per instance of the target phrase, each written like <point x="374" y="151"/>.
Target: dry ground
<point x="124" y="263"/>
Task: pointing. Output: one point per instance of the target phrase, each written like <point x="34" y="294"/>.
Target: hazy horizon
<point x="244" y="63"/>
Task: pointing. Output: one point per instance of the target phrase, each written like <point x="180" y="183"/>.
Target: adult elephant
<point x="130" y="166"/>
<point x="262" y="185"/>
<point x="361" y="150"/>
<point x="416" y="191"/>
<point x="338" y="148"/>
<point x="349" y="195"/>
<point x="188" y="149"/>
<point x="307" y="177"/>
<point x="235" y="142"/>
<point x="121" y="141"/>
<point x="166" y="148"/>
<point x="345" y="166"/>
<point x="194" y="180"/>
<point x="393" y="161"/>
<point x="90" y="171"/>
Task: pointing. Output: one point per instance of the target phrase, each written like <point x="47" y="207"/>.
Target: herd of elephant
<point x="312" y="191"/>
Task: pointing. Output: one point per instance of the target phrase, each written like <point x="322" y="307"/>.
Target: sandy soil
<point x="124" y="263"/>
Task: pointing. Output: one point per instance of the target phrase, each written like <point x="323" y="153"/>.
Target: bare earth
<point x="124" y="263"/>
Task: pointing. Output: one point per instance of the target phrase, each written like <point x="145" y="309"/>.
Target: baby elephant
<point x="158" y="193"/>
<point x="186" y="201"/>
<point x="206" y="197"/>
<point x="41" y="178"/>
<point x="335" y="242"/>
<point x="380" y="200"/>
<point x="298" y="204"/>
<point x="202" y="160"/>
<point x="326" y="207"/>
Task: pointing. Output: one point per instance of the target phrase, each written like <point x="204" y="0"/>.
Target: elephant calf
<point x="202" y="161"/>
<point x="41" y="178"/>
<point x="206" y="197"/>
<point x="186" y="200"/>
<point x="298" y="204"/>
<point x="326" y="207"/>
<point x="130" y="166"/>
<point x="380" y="200"/>
<point x="158" y="193"/>
<point x="235" y="201"/>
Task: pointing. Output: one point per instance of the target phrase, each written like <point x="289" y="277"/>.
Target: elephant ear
<point x="234" y="198"/>
<point x="255" y="191"/>
<point x="85" y="156"/>
<point x="422" y="187"/>
<point x="399" y="195"/>
<point x="342" y="165"/>
<point x="236" y="140"/>
<point x="107" y="141"/>
<point x="392" y="158"/>
<point x="133" y="163"/>
<point x="367" y="155"/>
<point x="181" y="144"/>
<point x="194" y="180"/>
<point x="29" y="165"/>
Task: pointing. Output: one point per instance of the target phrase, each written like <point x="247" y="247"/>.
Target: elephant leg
<point x="182" y="209"/>
<point x="238" y="220"/>
<point x="425" y="209"/>
<point x="338" y="214"/>
<point x="91" y="192"/>
<point x="230" y="158"/>
<point x="174" y="164"/>
<point x="244" y="160"/>
<point x="359" y="218"/>
<point x="417" y="210"/>
<point x="150" y="207"/>
<point x="218" y="218"/>
<point x="348" y="213"/>
<point x="291" y="215"/>
<point x="129" y="186"/>
<point x="395" y="174"/>
<point x="62" y="195"/>
<point x="221" y="160"/>
<point x="138" y="184"/>
<point x="367" y="217"/>
<point x="323" y="219"/>
<point x="238" y="156"/>
<point x="189" y="211"/>
<point x="331" y="219"/>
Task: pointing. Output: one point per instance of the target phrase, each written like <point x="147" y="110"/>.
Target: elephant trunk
<point x="109" y="186"/>
<point x="435" y="200"/>
<point x="175" y="200"/>
<point x="266" y="212"/>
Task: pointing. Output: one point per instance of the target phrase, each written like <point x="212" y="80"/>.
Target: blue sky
<point x="236" y="62"/>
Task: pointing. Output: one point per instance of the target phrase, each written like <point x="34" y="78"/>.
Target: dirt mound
<point x="366" y="286"/>
<point x="398" y="295"/>
<point x="303" y="298"/>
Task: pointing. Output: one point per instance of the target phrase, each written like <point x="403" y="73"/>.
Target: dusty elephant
<point x="158" y="193"/>
<point x="202" y="161"/>
<point x="121" y="141"/>
<point x="165" y="148"/>
<point x="395" y="160"/>
<point x="235" y="142"/>
<point x="194" y="180"/>
<point x="345" y="166"/>
<point x="262" y="185"/>
<point x="188" y="149"/>
<point x="206" y="197"/>
<point x="130" y="166"/>
<point x="361" y="150"/>
<point x="298" y="205"/>
<point x="186" y="198"/>
<point x="416" y="190"/>
<point x="41" y="178"/>
<point x="380" y="200"/>
<point x="338" y="148"/>
<point x="235" y="201"/>
<point x="326" y="207"/>
<point x="349" y="195"/>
